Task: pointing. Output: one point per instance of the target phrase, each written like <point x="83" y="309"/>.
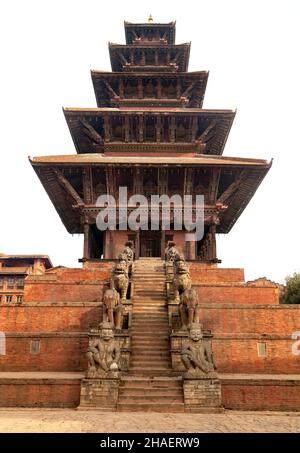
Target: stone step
<point x="151" y="407"/>
<point x="153" y="383"/>
<point x="142" y="353"/>
<point x="150" y="349"/>
<point x="152" y="392"/>
<point x="123" y="398"/>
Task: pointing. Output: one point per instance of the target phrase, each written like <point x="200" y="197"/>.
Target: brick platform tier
<point x="239" y="391"/>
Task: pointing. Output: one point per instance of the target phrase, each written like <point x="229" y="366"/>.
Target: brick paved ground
<point x="69" y="420"/>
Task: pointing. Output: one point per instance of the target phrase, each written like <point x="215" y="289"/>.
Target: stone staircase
<point x="150" y="385"/>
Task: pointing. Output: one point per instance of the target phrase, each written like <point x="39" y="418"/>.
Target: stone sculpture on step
<point x="189" y="308"/>
<point x="120" y="280"/>
<point x="196" y="355"/>
<point x="103" y="353"/>
<point x="182" y="280"/>
<point x="171" y="252"/>
<point x="113" y="308"/>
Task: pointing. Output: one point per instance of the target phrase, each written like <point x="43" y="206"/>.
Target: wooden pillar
<point x="158" y="128"/>
<point x="132" y="56"/>
<point x="106" y="128"/>
<point x="121" y="88"/>
<point x="87" y="185"/>
<point x="194" y="128"/>
<point x="143" y="60"/>
<point x="87" y="240"/>
<point x="213" y="244"/>
<point x="159" y="92"/>
<point x="140" y="88"/>
<point x="137" y="251"/>
<point x="141" y="128"/>
<point x="163" y="244"/>
<point x="214" y="185"/>
<point x="137" y="180"/>
<point x="178" y="88"/>
<point x="172" y="128"/>
<point x="168" y="56"/>
<point x="156" y="57"/>
<point x="127" y="129"/>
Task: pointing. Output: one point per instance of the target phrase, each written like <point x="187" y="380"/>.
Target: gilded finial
<point x="150" y="18"/>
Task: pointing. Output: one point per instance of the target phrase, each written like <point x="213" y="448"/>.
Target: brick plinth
<point x="202" y="395"/>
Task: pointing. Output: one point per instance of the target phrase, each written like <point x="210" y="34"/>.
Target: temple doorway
<point x="150" y="243"/>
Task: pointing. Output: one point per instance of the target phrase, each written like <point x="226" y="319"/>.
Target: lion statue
<point x="120" y="280"/>
<point x="182" y="280"/>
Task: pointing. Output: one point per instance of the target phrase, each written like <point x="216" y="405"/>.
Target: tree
<point x="291" y="291"/>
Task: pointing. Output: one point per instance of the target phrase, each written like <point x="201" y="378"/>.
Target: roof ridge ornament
<point x="150" y="19"/>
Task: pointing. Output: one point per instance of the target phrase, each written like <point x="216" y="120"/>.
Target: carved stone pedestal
<point x="202" y="394"/>
<point x="99" y="393"/>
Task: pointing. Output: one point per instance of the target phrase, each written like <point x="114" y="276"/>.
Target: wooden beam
<point x="91" y="133"/>
<point x="189" y="89"/>
<point x="68" y="187"/>
<point x="232" y="188"/>
<point x="122" y="58"/>
<point x="206" y="135"/>
<point x="110" y="89"/>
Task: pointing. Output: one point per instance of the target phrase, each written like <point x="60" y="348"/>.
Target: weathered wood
<point x="110" y="89"/>
<point x="189" y="89"/>
<point x="106" y="128"/>
<point x="232" y="188"/>
<point x="68" y="187"/>
<point x="91" y="133"/>
<point x="127" y="129"/>
<point x="206" y="135"/>
<point x="87" y="184"/>
<point x="214" y="185"/>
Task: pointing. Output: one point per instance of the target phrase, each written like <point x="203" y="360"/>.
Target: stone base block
<point x="99" y="393"/>
<point x="202" y="395"/>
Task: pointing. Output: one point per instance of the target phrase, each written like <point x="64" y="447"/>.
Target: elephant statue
<point x="189" y="308"/>
<point x="113" y="308"/>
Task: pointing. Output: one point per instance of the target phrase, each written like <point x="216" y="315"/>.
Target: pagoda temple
<point x="150" y="134"/>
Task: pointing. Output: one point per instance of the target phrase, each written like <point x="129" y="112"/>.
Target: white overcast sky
<point x="251" y="49"/>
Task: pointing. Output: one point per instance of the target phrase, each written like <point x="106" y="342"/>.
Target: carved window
<point x="262" y="349"/>
<point x="20" y="283"/>
<point x="10" y="282"/>
<point x="9" y="298"/>
<point x="35" y="346"/>
<point x="1" y="282"/>
<point x="19" y="298"/>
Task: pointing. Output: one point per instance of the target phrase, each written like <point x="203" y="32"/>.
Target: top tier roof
<point x="150" y="31"/>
